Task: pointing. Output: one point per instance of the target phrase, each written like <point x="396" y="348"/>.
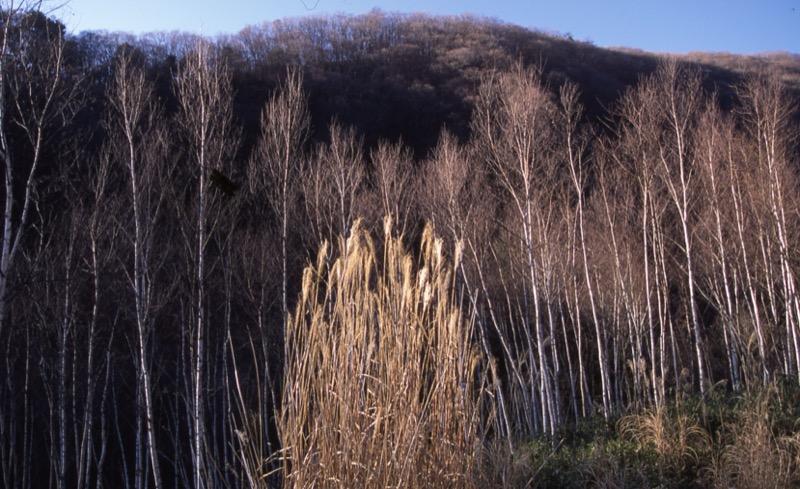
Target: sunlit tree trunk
<point x="203" y="89"/>
<point x="716" y="138"/>
<point x="681" y="99"/>
<point x="136" y="142"/>
<point x="32" y="98"/>
<point x="571" y="112"/>
<point x="86" y="456"/>
<point x="512" y="129"/>
<point x="768" y="117"/>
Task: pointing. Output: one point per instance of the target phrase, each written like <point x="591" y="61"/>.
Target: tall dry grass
<point x="675" y="434"/>
<point x="756" y="454"/>
<point x="381" y="386"/>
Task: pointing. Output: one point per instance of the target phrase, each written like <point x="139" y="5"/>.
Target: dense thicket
<point x="620" y="227"/>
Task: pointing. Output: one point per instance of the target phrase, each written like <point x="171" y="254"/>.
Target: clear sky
<point x="676" y="26"/>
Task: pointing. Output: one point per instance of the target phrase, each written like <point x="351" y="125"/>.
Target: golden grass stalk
<point x="677" y="438"/>
<point x="755" y="457"/>
<point x="380" y="387"/>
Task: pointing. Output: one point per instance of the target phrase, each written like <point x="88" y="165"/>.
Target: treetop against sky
<point x="736" y="26"/>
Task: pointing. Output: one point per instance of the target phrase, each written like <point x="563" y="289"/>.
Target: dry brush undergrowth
<point x="674" y="435"/>
<point x="761" y="443"/>
<point x="381" y="383"/>
<point x="383" y="388"/>
<point x="748" y="440"/>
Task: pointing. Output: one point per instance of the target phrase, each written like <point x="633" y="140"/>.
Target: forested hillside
<point x="391" y="250"/>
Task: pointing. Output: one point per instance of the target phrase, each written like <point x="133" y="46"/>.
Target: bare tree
<point x="203" y="89"/>
<point x="512" y="123"/>
<point x="332" y="184"/>
<point x="717" y="241"/>
<point x="452" y="196"/>
<point x="276" y="163"/>
<point x="138" y="144"/>
<point x="767" y="115"/>
<point x="34" y="100"/>
<point x="682" y="99"/>
<point x="273" y="175"/>
<point x="571" y="113"/>
<point x="636" y="154"/>
<point x="394" y="184"/>
<point x="100" y="238"/>
<point x="34" y="104"/>
<point x="452" y="187"/>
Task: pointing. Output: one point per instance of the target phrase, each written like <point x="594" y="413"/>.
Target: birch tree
<point x="33" y="103"/>
<point x="767" y="112"/>
<point x="274" y="172"/>
<point x="716" y="137"/>
<point x="204" y="92"/>
<point x="512" y="123"/>
<point x="333" y="184"/>
<point x="683" y="99"/>
<point x="571" y="113"/>
<point x="33" y="106"/>
<point x="277" y="161"/>
<point x="394" y="185"/>
<point x="138" y="144"/>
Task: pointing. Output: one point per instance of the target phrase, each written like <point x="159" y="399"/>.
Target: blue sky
<point x="676" y="26"/>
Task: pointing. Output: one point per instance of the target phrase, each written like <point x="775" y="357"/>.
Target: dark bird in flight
<point x="225" y="184"/>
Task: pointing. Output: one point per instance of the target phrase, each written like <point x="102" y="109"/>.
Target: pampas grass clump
<point x="380" y="388"/>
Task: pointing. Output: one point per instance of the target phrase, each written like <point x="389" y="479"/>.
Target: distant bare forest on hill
<point x="386" y="250"/>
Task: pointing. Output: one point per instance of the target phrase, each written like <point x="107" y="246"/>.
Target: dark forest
<point x="394" y="250"/>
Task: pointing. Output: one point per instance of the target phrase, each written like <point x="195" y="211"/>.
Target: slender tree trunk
<point x="203" y="89"/>
<point x="130" y="99"/>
